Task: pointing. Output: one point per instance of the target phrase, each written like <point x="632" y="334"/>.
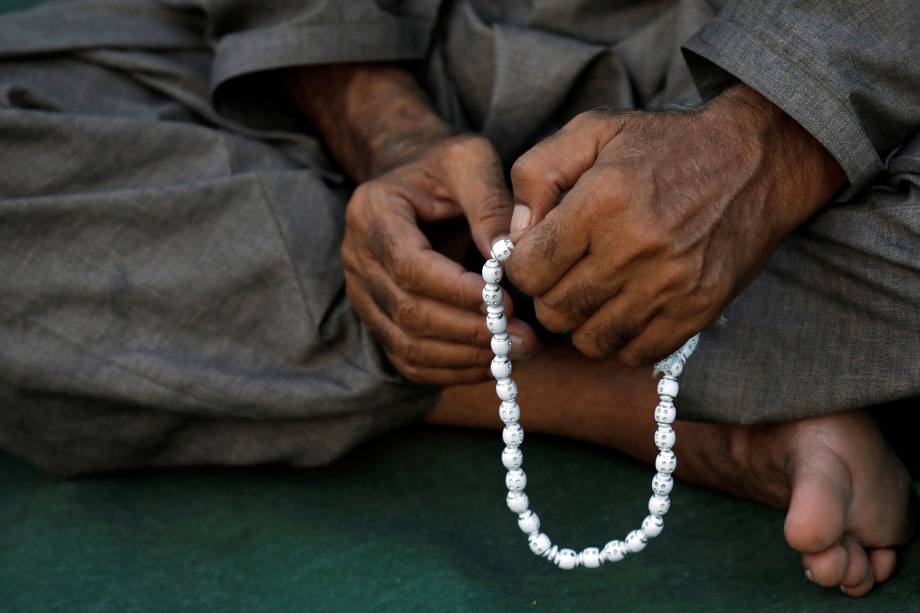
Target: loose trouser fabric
<point x="172" y="292"/>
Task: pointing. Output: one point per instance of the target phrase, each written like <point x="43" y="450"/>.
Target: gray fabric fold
<point x="172" y="291"/>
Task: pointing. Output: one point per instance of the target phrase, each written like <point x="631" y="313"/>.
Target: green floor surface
<point x="412" y="522"/>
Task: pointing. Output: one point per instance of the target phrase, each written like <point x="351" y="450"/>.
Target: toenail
<point x="809" y="576"/>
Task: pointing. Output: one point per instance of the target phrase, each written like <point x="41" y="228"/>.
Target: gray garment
<point x="170" y="229"/>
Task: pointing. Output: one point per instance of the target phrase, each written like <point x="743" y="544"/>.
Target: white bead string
<point x="513" y="435"/>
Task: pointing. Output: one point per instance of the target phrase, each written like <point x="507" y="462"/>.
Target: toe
<point x="858" y="569"/>
<point x="862" y="589"/>
<point x="827" y="567"/>
<point x="883" y="562"/>
<point x="817" y="511"/>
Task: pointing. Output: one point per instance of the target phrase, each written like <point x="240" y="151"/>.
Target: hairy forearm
<point x="372" y="117"/>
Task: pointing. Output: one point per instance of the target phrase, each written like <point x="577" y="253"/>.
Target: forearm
<point x="371" y="116"/>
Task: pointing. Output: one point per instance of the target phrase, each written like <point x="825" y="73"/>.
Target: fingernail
<point x="520" y="219"/>
<point x="809" y="576"/>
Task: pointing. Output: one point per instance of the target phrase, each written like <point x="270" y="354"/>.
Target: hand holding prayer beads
<point x="513" y="437"/>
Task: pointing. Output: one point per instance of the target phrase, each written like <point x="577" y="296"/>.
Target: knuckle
<point x="523" y="277"/>
<point x="403" y="271"/>
<point x="525" y="168"/>
<point x="469" y="146"/>
<point x="406" y="348"/>
<point x="596" y="343"/>
<point x="586" y="118"/>
<point x="552" y="317"/>
<point x="408" y="314"/>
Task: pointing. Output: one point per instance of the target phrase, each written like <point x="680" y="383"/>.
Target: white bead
<point x="566" y="559"/>
<point x="666" y="364"/>
<point x="665" y="437"/>
<point x="528" y="522"/>
<point x="676" y="368"/>
<point x="492" y="294"/>
<point x="552" y="554"/>
<point x="509" y="411"/>
<point x="662" y="484"/>
<point x="690" y="346"/>
<point x="512" y="457"/>
<point x="652" y="526"/>
<point x="666" y="462"/>
<point x="590" y="557"/>
<point x="539" y="543"/>
<point x="659" y="505"/>
<point x="614" y="551"/>
<point x="513" y="435"/>
<point x="665" y="412"/>
<point x="516" y="480"/>
<point x="506" y="389"/>
<point x="636" y="541"/>
<point x="517" y="502"/>
<point x="492" y="271"/>
<point x="502" y="249"/>
<point x="501" y="344"/>
<point x="501" y="367"/>
<point x="496" y="323"/>
<point x="667" y="387"/>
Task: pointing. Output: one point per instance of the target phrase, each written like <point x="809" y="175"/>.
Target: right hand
<point x="424" y="308"/>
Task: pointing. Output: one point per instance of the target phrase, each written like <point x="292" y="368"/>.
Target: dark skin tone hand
<point x="423" y="307"/>
<point x="643" y="226"/>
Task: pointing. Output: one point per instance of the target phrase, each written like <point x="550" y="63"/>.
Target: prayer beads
<point x="513" y="436"/>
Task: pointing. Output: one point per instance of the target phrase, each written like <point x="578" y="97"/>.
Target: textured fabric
<point x="172" y="290"/>
<point x="415" y="522"/>
<point x="846" y="71"/>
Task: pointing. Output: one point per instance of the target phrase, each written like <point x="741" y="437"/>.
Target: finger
<point x="479" y="186"/>
<point x="661" y="337"/>
<point x="422" y="316"/>
<point x="439" y="376"/>
<point x="417" y="352"/>
<point x="397" y="243"/>
<point x="615" y="324"/>
<point x="577" y="296"/>
<point x="549" y="250"/>
<point x="551" y="167"/>
<point x="427" y="318"/>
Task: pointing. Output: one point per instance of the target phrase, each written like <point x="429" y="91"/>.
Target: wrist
<point x="372" y="117"/>
<point x="804" y="174"/>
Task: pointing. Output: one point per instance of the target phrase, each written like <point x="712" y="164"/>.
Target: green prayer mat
<point x="412" y="522"/>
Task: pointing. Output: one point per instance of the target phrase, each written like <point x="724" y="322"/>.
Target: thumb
<point x="553" y="166"/>
<point x="479" y="186"/>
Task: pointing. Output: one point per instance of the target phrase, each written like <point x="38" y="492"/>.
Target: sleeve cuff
<point x="302" y="45"/>
<point x="722" y="50"/>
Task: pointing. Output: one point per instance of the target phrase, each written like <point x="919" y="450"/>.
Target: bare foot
<point x="848" y="495"/>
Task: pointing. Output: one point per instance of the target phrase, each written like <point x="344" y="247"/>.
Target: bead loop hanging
<point x="513" y="436"/>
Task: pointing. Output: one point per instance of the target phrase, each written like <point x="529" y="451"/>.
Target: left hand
<point x="666" y="218"/>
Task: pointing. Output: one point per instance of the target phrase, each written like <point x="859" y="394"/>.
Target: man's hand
<point x="423" y="307"/>
<point x="663" y="218"/>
